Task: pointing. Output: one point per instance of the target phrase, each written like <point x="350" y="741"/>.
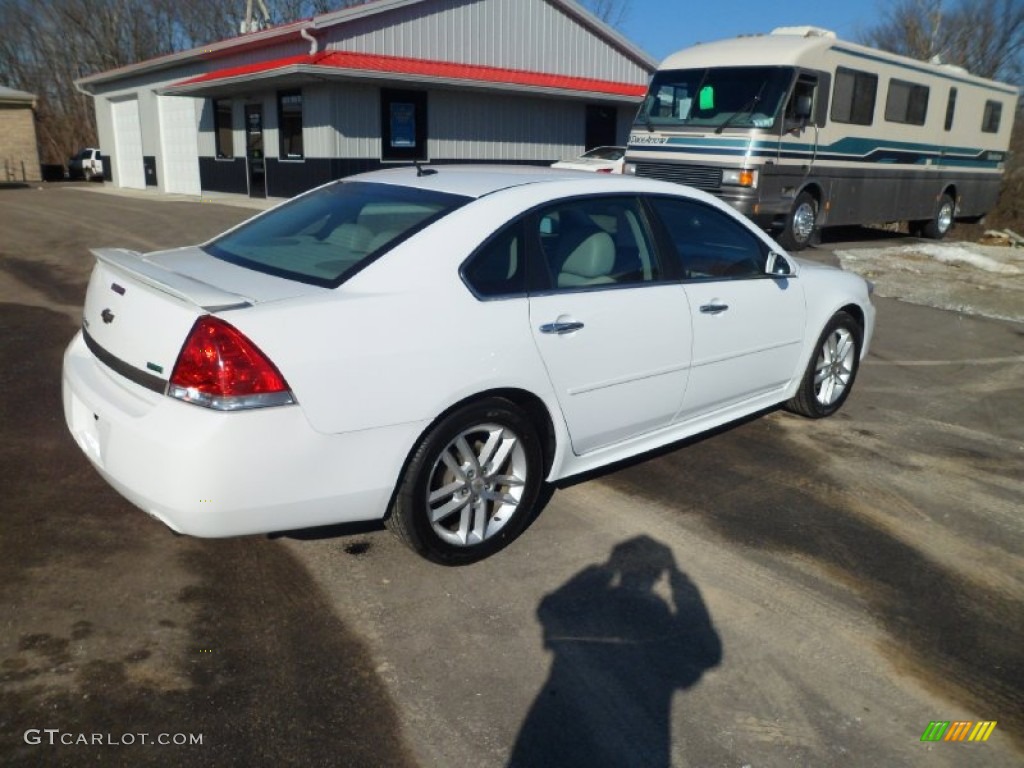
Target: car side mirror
<point x="778" y="265"/>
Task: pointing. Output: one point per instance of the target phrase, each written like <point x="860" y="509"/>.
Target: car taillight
<point x="604" y="170"/>
<point x="218" y="367"/>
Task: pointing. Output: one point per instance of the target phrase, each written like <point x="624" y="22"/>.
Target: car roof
<point x="480" y="180"/>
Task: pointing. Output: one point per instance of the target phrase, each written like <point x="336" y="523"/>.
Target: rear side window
<point x="594" y="242"/>
<point x="498" y="268"/>
<point x="853" y="100"/>
<point x="710" y="245"/>
<point x="328" y="235"/>
<point x="906" y="103"/>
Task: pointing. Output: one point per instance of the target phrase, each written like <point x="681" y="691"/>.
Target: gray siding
<point x="515" y="34"/>
<point x="482" y="126"/>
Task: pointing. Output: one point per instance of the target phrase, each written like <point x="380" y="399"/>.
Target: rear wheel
<point x="939" y="225"/>
<point x="470" y="487"/>
<point x="799" y="226"/>
<point x="832" y="370"/>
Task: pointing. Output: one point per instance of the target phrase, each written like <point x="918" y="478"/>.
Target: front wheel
<point x="799" y="226"/>
<point x="832" y="370"/>
<point x="471" y="485"/>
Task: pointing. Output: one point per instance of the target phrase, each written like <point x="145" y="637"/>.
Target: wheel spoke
<point x="504" y="498"/>
<point x="446" y="491"/>
<point x="820" y="375"/>
<point x="479" y="514"/>
<point x="501" y="457"/>
<point x="487" y="451"/>
<point x="509" y="480"/>
<point x="453" y="464"/>
<point x="468" y="455"/>
<point x="447" y="510"/>
<point x="826" y="391"/>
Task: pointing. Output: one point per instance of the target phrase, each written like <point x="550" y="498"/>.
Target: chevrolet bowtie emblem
<point x="107" y="316"/>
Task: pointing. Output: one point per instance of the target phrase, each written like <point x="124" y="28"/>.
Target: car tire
<point x="938" y="226"/>
<point x="799" y="227"/>
<point x="832" y="369"/>
<point x="471" y="484"/>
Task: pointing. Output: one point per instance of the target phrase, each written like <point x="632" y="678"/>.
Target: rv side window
<point x="990" y="120"/>
<point x="853" y="99"/>
<point x="906" y="103"/>
<point x="950" y="109"/>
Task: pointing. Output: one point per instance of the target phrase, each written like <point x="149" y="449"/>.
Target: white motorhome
<point x="799" y="130"/>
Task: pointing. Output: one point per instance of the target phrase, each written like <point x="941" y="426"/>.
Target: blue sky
<point x="661" y="27"/>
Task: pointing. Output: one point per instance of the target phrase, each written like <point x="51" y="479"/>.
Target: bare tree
<point x="986" y="37"/>
<point x="611" y="12"/>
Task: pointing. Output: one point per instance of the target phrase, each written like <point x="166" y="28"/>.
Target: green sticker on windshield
<point x="707" y="97"/>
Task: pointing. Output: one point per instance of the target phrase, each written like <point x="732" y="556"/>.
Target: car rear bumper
<point x="213" y="474"/>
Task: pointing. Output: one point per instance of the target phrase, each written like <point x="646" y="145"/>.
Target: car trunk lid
<point x="140" y="308"/>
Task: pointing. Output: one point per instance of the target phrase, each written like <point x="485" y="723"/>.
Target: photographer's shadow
<point x="620" y="653"/>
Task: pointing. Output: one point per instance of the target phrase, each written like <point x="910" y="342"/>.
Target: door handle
<point x="560" y="328"/>
<point x="714" y="309"/>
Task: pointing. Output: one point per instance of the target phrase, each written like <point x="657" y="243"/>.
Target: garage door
<point x="128" y="144"/>
<point x="179" y="144"/>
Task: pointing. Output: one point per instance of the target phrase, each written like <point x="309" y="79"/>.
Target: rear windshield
<point x="326" y="236"/>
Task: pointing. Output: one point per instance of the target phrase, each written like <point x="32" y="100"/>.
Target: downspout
<point x="313" y="45"/>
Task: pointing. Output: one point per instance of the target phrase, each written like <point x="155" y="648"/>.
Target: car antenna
<point x="421" y="171"/>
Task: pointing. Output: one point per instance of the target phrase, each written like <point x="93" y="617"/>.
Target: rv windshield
<point x="722" y="97"/>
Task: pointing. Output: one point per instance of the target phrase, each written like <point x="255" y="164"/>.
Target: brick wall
<point x="19" y="154"/>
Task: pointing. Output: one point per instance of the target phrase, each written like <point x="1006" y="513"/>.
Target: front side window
<point x="223" y="131"/>
<point x="853" y="99"/>
<point x="709" y="244"/>
<point x="328" y="235"/>
<point x="906" y="103"/>
<point x="594" y="242"/>
<point x="721" y="97"/>
<point x="289" y="124"/>
<point x="991" y="117"/>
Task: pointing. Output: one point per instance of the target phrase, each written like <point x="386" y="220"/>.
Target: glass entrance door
<point x="254" y="150"/>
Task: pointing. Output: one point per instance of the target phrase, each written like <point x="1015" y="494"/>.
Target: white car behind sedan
<point x="596" y="160"/>
<point x="431" y="346"/>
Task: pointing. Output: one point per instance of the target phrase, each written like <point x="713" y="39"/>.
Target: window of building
<point x="906" y="103"/>
<point x="223" y="130"/>
<point x="990" y="119"/>
<point x="289" y="124"/>
<point x="950" y="109"/>
<point x="854" y="97"/>
<point x="403" y="119"/>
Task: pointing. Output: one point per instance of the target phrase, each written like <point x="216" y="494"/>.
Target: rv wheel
<point x="796" y="234"/>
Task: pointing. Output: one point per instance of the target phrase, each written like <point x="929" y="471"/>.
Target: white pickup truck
<point x="87" y="164"/>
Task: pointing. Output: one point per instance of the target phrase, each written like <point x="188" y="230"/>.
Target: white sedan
<point x="597" y="160"/>
<point x="431" y="346"/>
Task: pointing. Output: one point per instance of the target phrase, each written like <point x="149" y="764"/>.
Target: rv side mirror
<point x="803" y="107"/>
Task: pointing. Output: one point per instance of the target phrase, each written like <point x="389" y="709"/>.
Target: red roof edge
<point x="428" y="68"/>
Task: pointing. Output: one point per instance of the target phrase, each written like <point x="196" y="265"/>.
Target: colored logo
<point x="958" y="730"/>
